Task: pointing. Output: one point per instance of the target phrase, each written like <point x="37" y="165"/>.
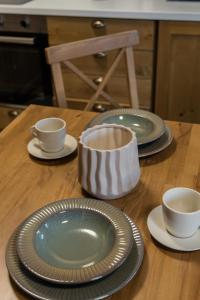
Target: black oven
<point x="24" y="74"/>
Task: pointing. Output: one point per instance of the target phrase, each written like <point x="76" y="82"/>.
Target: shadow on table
<point x="160" y="156"/>
<point x="177" y="254"/>
<point x="54" y="162"/>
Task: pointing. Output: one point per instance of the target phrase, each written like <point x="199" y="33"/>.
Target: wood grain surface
<point x="27" y="183"/>
<point x="178" y="65"/>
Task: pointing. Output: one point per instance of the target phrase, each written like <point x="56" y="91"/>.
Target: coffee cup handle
<point x="33" y="131"/>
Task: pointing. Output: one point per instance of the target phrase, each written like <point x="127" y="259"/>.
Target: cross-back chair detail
<point x="124" y="42"/>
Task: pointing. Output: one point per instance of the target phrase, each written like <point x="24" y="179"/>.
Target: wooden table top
<point x="27" y="184"/>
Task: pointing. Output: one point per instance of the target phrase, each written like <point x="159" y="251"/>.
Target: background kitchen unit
<point x="25" y="76"/>
<point x="167" y="64"/>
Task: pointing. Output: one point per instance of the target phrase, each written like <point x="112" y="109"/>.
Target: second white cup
<point x="50" y="133"/>
<point x="181" y="211"/>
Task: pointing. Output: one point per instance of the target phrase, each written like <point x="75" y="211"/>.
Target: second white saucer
<point x="69" y="147"/>
<point x="157" y="229"/>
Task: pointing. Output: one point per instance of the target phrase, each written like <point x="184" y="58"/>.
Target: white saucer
<point x="157" y="229"/>
<point x="69" y="147"/>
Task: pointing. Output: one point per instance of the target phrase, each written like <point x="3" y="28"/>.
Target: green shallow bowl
<point x="94" y="290"/>
<point x="147" y="126"/>
<point x="74" y="241"/>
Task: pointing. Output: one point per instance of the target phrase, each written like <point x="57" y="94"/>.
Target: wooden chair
<point x="62" y="54"/>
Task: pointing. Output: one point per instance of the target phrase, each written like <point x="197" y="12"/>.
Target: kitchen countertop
<point x="127" y="9"/>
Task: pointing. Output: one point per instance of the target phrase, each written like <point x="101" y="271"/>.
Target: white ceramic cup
<point x="50" y="133"/>
<point x="108" y="161"/>
<point x="181" y="211"/>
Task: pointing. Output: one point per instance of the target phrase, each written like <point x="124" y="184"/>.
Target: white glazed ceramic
<point x="158" y="230"/>
<point x="35" y="150"/>
<point x="50" y="133"/>
<point x="181" y="211"/>
<point x="108" y="161"/>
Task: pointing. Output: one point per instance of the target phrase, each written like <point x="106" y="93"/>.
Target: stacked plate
<point x="74" y="249"/>
<point x="152" y="134"/>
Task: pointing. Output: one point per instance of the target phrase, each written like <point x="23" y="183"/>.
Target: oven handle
<point x="17" y="40"/>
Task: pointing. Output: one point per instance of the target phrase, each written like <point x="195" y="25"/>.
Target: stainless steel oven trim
<point x="12" y="106"/>
<point x="17" y="40"/>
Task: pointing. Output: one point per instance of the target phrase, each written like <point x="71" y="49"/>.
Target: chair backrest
<point x="62" y="54"/>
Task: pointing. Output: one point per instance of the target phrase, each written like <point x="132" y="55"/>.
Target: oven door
<point x="25" y="76"/>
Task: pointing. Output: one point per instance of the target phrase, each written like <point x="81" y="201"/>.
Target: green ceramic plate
<point x="147" y="126"/>
<point x="74" y="241"/>
<point x="94" y="290"/>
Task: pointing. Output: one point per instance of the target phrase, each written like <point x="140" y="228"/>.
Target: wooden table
<point x="27" y="184"/>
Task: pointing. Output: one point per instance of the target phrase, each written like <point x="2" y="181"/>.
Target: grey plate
<point x="74" y="241"/>
<point x="156" y="146"/>
<point x="147" y="126"/>
<point x="95" y="290"/>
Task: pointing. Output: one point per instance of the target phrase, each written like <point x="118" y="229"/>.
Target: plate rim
<point x="168" y="142"/>
<point x="99" y="119"/>
<point x="14" y="267"/>
<point x="121" y="248"/>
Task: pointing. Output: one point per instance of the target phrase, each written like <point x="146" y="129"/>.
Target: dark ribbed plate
<point x="156" y="146"/>
<point x="95" y="290"/>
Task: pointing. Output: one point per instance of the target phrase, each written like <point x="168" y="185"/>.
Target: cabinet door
<point x="7" y="115"/>
<point x="178" y="71"/>
<point x="68" y="29"/>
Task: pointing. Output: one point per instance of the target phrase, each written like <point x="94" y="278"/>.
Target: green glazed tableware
<point x="94" y="290"/>
<point x="147" y="126"/>
<point x="74" y="241"/>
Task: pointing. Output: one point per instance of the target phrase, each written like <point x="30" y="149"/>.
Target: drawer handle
<point x="98" y="24"/>
<point x="99" y="108"/>
<point x="13" y="113"/>
<point x="100" y="55"/>
<point x="1" y="20"/>
<point x="98" y="80"/>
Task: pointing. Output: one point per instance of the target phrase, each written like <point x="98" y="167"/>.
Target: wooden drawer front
<point x="116" y="87"/>
<point x="7" y="115"/>
<point x="67" y="29"/>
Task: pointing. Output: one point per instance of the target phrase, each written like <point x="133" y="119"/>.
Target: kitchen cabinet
<point x="178" y="71"/>
<point x="8" y="114"/>
<point x="167" y="65"/>
<point x="68" y="29"/>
